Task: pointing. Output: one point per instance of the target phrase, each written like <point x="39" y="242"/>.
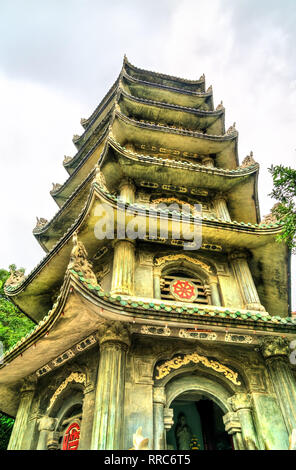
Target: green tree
<point x="13" y="326"/>
<point x="13" y="323"/>
<point x="284" y="191"/>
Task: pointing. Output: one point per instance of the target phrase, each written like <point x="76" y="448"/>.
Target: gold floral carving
<point x="164" y="259"/>
<point x="179" y="361"/>
<point x="78" y="377"/>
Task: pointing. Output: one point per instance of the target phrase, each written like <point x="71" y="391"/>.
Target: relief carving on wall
<point x="78" y="377"/>
<point x="179" y="361"/>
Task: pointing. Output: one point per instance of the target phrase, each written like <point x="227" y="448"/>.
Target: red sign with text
<point x="71" y="437"/>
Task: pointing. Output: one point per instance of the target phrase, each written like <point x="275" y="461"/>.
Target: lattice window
<point x="178" y="286"/>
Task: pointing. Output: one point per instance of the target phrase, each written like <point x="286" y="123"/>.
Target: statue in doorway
<point x="183" y="433"/>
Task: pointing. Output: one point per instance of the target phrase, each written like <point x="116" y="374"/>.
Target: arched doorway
<point x="198" y="424"/>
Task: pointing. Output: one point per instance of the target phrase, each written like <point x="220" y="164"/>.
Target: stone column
<point x="123" y="267"/>
<point x="53" y="441"/>
<point x="46" y="425"/>
<point x="87" y="417"/>
<point x="159" y="400"/>
<point x="156" y="282"/>
<point x="168" y="419"/>
<point x="208" y="161"/>
<point x="221" y="208"/>
<point x="241" y="403"/>
<point x="19" y="429"/>
<point x="275" y="351"/>
<point x="127" y="190"/>
<point x="233" y="427"/>
<point x="245" y="280"/>
<point x="215" y="296"/>
<point x="107" y="431"/>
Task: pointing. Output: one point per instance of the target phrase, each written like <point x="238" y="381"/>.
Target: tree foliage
<point x="13" y="323"/>
<point x="6" y="424"/>
<point x="13" y="326"/>
<point x="284" y="191"/>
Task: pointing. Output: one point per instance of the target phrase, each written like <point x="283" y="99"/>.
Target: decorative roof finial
<point x="220" y="106"/>
<point x="75" y="138"/>
<point x="55" y="187"/>
<point x="83" y="122"/>
<point x="79" y="261"/>
<point x="210" y="89"/>
<point x="17" y="276"/>
<point x="248" y="161"/>
<point x="272" y="217"/>
<point x="203" y="77"/>
<point x="40" y="223"/>
<point x="100" y="179"/>
<point x="232" y="130"/>
<point x="66" y="159"/>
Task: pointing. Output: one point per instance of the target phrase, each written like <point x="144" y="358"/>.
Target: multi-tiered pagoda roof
<point x="164" y="133"/>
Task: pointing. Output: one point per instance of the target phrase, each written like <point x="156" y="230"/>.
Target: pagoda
<point x="147" y="341"/>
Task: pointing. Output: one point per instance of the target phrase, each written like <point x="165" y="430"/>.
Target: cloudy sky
<point x="58" y="58"/>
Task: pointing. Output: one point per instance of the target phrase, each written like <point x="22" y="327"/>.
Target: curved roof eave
<point x="238" y="173"/>
<point x="210" y="224"/>
<point x="161" y="75"/>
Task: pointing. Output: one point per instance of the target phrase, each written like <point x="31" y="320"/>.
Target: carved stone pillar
<point x="275" y="351"/>
<point x="168" y="414"/>
<point x="156" y="282"/>
<point x="158" y="418"/>
<point x="233" y="427"/>
<point x="107" y="431"/>
<point x="123" y="267"/>
<point x="53" y="441"/>
<point x="241" y="403"/>
<point x="46" y="425"/>
<point x="208" y="161"/>
<point x="127" y="190"/>
<point x="19" y="429"/>
<point x="87" y="417"/>
<point x="245" y="280"/>
<point x="215" y="296"/>
<point x="221" y="208"/>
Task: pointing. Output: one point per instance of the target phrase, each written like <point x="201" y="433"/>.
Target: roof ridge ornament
<point x="203" y="77"/>
<point x="248" y="161"/>
<point x="232" y="130"/>
<point x="67" y="159"/>
<point x="40" y="222"/>
<point x="272" y="217"/>
<point x="220" y="106"/>
<point x="210" y="89"/>
<point x="55" y="187"/>
<point x="83" y="122"/>
<point x="75" y="138"/>
<point x="100" y="178"/>
<point x="17" y="276"/>
<point x="79" y="261"/>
